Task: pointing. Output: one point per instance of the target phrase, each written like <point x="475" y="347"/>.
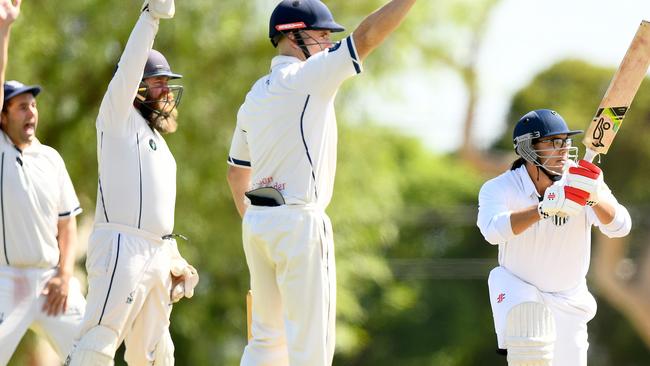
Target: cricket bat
<point x="619" y="95"/>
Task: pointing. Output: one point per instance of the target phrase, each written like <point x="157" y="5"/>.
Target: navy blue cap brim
<point x="331" y="26"/>
<point x="170" y="75"/>
<point x="568" y="133"/>
<point x="34" y="89"/>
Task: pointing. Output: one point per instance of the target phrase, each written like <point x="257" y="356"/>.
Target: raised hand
<point x="9" y="11"/>
<point x="587" y="177"/>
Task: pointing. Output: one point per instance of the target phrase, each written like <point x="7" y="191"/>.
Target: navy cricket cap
<point x="542" y="123"/>
<point x="301" y="15"/>
<point x="13" y="88"/>
<point x="157" y="65"/>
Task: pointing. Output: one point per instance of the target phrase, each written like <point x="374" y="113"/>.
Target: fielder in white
<point x="540" y="215"/>
<point x="135" y="271"/>
<point x="38" y="227"/>
<point x="283" y="158"/>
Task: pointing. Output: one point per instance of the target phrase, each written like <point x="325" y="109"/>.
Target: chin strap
<point x="301" y="43"/>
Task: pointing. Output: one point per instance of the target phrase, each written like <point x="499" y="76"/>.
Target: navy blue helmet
<point x="157" y="65"/>
<point x="540" y="123"/>
<point x="291" y="15"/>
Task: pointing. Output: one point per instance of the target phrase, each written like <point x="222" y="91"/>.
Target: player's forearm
<point x="67" y="239"/>
<point x="522" y="220"/>
<point x="239" y="180"/>
<point x="605" y="212"/>
<point x="123" y="87"/>
<point x="4" y="55"/>
<point x="374" y="29"/>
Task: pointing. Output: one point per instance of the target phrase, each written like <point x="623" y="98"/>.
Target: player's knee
<point x="530" y="334"/>
<point x="97" y="341"/>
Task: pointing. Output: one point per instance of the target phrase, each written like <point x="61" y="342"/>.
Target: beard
<point x="161" y="114"/>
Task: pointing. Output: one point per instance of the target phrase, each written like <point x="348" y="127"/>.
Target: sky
<point x="524" y="37"/>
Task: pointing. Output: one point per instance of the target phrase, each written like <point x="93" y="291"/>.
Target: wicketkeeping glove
<point x="587" y="177"/>
<point x="562" y="200"/>
<point x="162" y="9"/>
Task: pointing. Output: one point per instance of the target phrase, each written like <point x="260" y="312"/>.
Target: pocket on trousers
<point x="100" y="256"/>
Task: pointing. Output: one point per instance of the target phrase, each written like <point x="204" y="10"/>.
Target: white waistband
<point x="129" y="230"/>
<point x="26" y="271"/>
<point x="306" y="207"/>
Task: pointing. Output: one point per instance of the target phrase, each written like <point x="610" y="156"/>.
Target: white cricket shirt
<point x="35" y="193"/>
<point x="137" y="172"/>
<point x="286" y="128"/>
<point x="551" y="255"/>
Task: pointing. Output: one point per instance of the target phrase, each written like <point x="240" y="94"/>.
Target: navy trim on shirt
<point x="353" y="54"/>
<point x="2" y="206"/>
<point x="137" y="140"/>
<point x="302" y="133"/>
<point x="68" y="213"/>
<point x="101" y="191"/>
<point x="239" y="162"/>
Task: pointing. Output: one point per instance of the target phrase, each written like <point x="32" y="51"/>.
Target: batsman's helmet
<point x="291" y="15"/>
<point x="157" y="65"/>
<point x="536" y="125"/>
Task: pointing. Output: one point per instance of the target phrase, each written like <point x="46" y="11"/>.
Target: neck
<point x="539" y="178"/>
<point x="19" y="144"/>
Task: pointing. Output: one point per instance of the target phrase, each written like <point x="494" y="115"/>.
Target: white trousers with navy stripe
<point x="128" y="297"/>
<point x="290" y="255"/>
<point x="21" y="308"/>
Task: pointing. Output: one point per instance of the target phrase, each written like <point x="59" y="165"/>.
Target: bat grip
<point x="590" y="155"/>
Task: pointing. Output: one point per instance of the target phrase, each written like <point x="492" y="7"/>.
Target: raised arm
<point x="9" y="11"/>
<point x="374" y="29"/>
<point x="122" y="89"/>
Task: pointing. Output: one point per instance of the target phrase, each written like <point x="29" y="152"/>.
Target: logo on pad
<point x="500" y="298"/>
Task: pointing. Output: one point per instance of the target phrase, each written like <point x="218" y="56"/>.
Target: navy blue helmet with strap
<point x="536" y="125"/>
<point x="541" y="123"/>
<point x="296" y="15"/>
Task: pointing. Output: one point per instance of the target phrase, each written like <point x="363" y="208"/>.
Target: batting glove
<point x="161" y="9"/>
<point x="587" y="177"/>
<point x="562" y="200"/>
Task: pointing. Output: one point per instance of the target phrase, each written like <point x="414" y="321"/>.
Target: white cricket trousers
<point x="571" y="309"/>
<point x="290" y="254"/>
<point x="129" y="284"/>
<point x="21" y="304"/>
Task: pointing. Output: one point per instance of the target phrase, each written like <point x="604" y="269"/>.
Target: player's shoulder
<point x="502" y="183"/>
<point x="46" y="152"/>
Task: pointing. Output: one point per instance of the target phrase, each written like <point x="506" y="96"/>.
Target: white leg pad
<point x="82" y="357"/>
<point x="530" y="335"/>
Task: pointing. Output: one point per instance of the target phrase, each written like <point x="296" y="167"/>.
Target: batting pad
<point x="530" y="335"/>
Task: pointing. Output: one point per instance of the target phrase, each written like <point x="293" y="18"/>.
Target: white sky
<point x="523" y="38"/>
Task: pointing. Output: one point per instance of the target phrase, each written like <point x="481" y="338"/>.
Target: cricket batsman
<point x="135" y="271"/>
<point x="540" y="214"/>
<point x="282" y="165"/>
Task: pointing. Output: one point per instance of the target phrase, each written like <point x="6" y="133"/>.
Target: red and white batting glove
<point x="562" y="200"/>
<point x="587" y="177"/>
<point x="161" y="9"/>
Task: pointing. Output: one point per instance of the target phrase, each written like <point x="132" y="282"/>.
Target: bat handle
<point x="590" y="155"/>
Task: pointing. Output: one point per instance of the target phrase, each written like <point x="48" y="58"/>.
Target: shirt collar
<point x="283" y="60"/>
<point x="527" y="182"/>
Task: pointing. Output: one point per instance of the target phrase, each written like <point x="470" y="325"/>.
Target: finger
<point x="576" y="195"/>
<point x="584" y="172"/>
<point x="591" y="166"/>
